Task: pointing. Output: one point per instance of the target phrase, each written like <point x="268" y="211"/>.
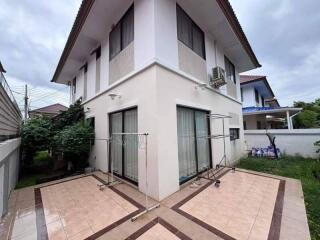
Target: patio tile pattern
<point x="241" y="208"/>
<point x="27" y="211"/>
<point x="158" y="229"/>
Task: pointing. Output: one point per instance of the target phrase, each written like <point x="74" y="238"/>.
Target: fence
<point x="10" y="115"/>
<point x="290" y="142"/>
<point x="9" y="169"/>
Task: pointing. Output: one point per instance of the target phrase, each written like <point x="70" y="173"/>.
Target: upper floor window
<point x="241" y="91"/>
<point x="189" y="33"/>
<point x="74" y="85"/>
<point x="256" y="95"/>
<point x="262" y="101"/>
<point x="122" y="34"/>
<point x="230" y="70"/>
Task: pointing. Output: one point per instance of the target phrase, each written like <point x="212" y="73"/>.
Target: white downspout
<point x="288" y="120"/>
<point x="293" y="117"/>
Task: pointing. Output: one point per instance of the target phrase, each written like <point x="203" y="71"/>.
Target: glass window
<point x="122" y="34"/>
<point x="234" y="133"/>
<point x="74" y="85"/>
<point x="189" y="33"/>
<point x="230" y="70"/>
<point x="256" y="95"/>
<point x="241" y="91"/>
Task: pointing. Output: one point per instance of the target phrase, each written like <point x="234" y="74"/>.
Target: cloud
<point x="285" y="36"/>
<point x="33" y="34"/>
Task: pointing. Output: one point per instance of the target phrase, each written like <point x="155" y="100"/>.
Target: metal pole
<point x="26" y="102"/>
<point x="146" y="136"/>
<point x="224" y="144"/>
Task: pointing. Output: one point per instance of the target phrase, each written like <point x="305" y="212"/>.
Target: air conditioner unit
<point x="218" y="78"/>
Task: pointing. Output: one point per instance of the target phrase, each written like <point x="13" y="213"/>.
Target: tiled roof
<point x="54" y="108"/>
<point x="250" y="78"/>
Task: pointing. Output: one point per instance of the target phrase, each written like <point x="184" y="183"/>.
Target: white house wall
<point x="248" y="96"/>
<point x="138" y="91"/>
<point x="180" y="91"/>
<point x="155" y="39"/>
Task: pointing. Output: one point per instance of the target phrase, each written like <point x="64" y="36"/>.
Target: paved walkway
<point x="247" y="205"/>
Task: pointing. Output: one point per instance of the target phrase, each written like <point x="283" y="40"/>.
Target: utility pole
<point x="26" y="102"/>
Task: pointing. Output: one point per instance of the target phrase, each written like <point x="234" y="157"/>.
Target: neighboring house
<point x="10" y="121"/>
<point x="147" y="66"/>
<point x="49" y="111"/>
<point x="261" y="109"/>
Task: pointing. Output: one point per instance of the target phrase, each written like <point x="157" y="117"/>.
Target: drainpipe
<point x="293" y="117"/>
<point x="288" y="120"/>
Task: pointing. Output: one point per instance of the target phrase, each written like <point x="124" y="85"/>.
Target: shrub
<point x="36" y="136"/>
<point x="74" y="142"/>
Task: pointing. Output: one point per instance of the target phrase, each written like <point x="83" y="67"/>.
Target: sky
<point x="284" y="34"/>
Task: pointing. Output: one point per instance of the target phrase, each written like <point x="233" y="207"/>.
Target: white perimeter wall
<point x="290" y="142"/>
<point x="9" y="170"/>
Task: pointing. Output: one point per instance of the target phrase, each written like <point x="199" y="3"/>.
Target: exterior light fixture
<point x="114" y="95"/>
<point x="201" y="86"/>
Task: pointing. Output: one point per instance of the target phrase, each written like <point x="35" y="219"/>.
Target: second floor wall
<point x="143" y="31"/>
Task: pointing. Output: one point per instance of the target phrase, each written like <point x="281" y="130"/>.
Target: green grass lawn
<point x="27" y="181"/>
<point x="300" y="168"/>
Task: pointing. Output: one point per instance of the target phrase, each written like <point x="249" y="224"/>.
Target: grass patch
<point x="304" y="169"/>
<point x="41" y="157"/>
<point x="28" y="181"/>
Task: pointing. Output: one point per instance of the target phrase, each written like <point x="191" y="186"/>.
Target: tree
<point x="36" y="136"/>
<point x="306" y="119"/>
<point x="310" y="116"/>
<point x="74" y="142"/>
<point x="73" y="115"/>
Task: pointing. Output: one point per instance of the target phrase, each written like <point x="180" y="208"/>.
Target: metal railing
<point x="6" y="87"/>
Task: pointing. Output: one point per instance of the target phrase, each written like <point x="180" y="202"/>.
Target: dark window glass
<point x="262" y="101"/>
<point x="98" y="53"/>
<point x="127" y="29"/>
<point x="241" y="91"/>
<point x="230" y="70"/>
<point x="258" y="124"/>
<point x="74" y="85"/>
<point x="234" y="133"/>
<point x="122" y="34"/>
<point x="244" y="125"/>
<point x="91" y="122"/>
<point x="256" y="95"/>
<point x="189" y="33"/>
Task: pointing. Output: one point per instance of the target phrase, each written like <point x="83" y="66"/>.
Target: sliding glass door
<point x="124" y="146"/>
<point x="193" y="142"/>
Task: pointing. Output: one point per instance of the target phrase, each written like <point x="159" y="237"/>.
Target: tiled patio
<point x="247" y="205"/>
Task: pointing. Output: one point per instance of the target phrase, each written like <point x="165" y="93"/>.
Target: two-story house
<point x="150" y="66"/>
<point x="261" y="109"/>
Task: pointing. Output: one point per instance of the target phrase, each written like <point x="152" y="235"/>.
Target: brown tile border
<point x="155" y="221"/>
<point x="274" y="232"/>
<point x="42" y="233"/>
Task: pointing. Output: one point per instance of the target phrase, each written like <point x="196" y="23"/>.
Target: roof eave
<point x="82" y="15"/>
<point x="234" y="23"/>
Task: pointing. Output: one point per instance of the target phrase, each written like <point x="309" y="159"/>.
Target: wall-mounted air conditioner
<point x="218" y="78"/>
